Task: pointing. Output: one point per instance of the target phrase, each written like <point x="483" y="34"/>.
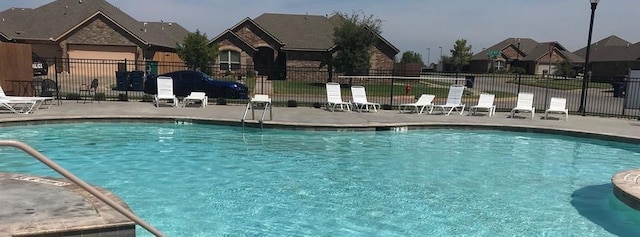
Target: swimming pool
<point x="206" y="180"/>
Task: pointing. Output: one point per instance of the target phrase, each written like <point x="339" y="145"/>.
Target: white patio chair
<point x="454" y="101"/>
<point x="424" y="101"/>
<point x="334" y="97"/>
<point x="485" y="102"/>
<point x="195" y="97"/>
<point x="524" y="104"/>
<point x="360" y="101"/>
<point x="557" y="105"/>
<point x="165" y="91"/>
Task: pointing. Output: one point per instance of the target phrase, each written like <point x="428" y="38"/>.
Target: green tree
<point x="354" y="38"/>
<point x="460" y="54"/>
<point x="565" y="69"/>
<point x="411" y="57"/>
<point x="196" y="53"/>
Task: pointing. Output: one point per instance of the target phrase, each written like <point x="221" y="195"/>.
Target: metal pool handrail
<point x="26" y="148"/>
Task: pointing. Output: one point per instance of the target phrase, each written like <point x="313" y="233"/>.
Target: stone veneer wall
<point x="99" y="32"/>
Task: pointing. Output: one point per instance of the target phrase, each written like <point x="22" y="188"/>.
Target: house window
<point x="499" y="65"/>
<point x="229" y="60"/>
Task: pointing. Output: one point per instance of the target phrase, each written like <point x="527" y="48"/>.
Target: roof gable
<point x="71" y="14"/>
<point x="254" y="26"/>
<point x="525" y="46"/>
<point x="237" y="40"/>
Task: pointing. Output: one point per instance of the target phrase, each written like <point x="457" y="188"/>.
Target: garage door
<point x="98" y="60"/>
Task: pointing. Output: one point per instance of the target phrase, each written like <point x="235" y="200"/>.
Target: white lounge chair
<point x="18" y="106"/>
<point x="39" y="101"/>
<point x="424" y="101"/>
<point x="485" y="102"/>
<point x="524" y="104"/>
<point x="360" y="101"/>
<point x="557" y="105"/>
<point x="165" y="91"/>
<point x="454" y="101"/>
<point x="195" y="97"/>
<point x="334" y="97"/>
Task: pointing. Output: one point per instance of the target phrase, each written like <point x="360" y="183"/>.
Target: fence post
<point x="519" y="81"/>
<point x="392" y="85"/>
<point x="55" y="63"/>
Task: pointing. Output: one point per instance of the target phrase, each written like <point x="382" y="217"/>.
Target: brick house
<point x="532" y="56"/>
<point x="273" y="44"/>
<point x="90" y="30"/>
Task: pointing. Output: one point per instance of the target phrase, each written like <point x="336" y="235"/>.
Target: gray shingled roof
<point x="572" y="56"/>
<point x="526" y="45"/>
<point x="531" y="49"/>
<point x="35" y="23"/>
<point x="537" y="52"/>
<point x="612" y="48"/>
<point x="306" y="32"/>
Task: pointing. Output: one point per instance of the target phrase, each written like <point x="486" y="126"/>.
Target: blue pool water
<point x="205" y="180"/>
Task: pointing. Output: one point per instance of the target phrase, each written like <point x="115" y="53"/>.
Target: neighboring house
<point x="611" y="58"/>
<point x="273" y="44"/>
<point x="90" y="29"/>
<point x="533" y="57"/>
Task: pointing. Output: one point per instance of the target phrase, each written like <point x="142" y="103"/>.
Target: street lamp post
<point x="587" y="67"/>
<point x="428" y="56"/>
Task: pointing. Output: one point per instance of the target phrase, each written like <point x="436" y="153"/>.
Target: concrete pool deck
<point x="626" y="183"/>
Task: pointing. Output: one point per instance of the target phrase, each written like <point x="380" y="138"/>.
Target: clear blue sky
<point x="411" y="24"/>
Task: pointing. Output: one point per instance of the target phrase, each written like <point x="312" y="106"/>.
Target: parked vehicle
<point x="39" y="65"/>
<point x="186" y="81"/>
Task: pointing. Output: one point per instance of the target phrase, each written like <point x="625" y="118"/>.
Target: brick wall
<point x="380" y="60"/>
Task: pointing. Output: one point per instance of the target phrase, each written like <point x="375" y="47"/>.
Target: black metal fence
<point x="305" y="86"/>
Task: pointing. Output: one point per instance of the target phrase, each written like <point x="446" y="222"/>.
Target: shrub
<point x="73" y="96"/>
<point x="387" y="107"/>
<point x="292" y="103"/>
<point x="147" y="98"/>
<point x="122" y="97"/>
<point x="99" y="97"/>
<point x="317" y="105"/>
<point x="221" y="101"/>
